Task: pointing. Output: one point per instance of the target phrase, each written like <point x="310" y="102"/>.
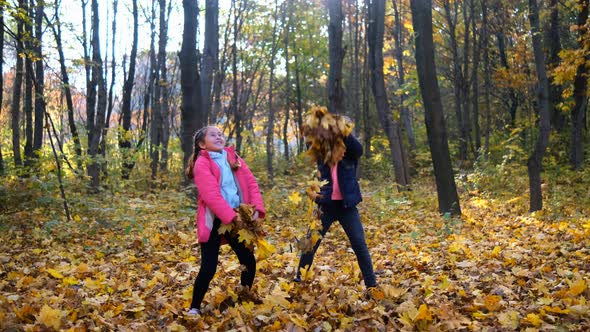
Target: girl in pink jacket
<point x="223" y="181"/>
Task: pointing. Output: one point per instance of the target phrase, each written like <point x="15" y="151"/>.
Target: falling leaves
<point x="325" y="132"/>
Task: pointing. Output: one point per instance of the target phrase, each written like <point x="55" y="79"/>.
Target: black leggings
<point x="210" y="258"/>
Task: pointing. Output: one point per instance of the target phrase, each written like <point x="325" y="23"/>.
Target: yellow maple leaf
<point x="50" y="317"/>
<point x="423" y="313"/>
<point x="55" y="273"/>
<point x="295" y="198"/>
<point x="224" y="228"/>
<point x="577" y="288"/>
<point x="245" y="236"/>
<point x="534" y="320"/>
<point x="264" y="249"/>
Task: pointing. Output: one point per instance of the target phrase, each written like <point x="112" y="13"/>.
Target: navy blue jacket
<point x="349" y="186"/>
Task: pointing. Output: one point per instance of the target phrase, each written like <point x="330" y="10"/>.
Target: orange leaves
<point x="324" y="132"/>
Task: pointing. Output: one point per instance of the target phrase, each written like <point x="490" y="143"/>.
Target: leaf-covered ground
<point x="128" y="260"/>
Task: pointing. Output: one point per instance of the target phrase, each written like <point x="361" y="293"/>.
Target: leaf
<point x="534" y="319"/>
<point x="54" y="273"/>
<point x="577" y="288"/>
<point x="50" y="317"/>
<point x="225" y="228"/>
<point x="264" y="249"/>
<point x="492" y="302"/>
<point x="246" y="236"/>
<point x="509" y="319"/>
<point x="295" y="198"/>
<point x="423" y="313"/>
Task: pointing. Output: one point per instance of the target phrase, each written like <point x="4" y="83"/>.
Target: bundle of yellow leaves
<point x="249" y="231"/>
<point x="325" y="133"/>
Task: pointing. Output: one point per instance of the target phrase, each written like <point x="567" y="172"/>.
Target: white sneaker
<point x="194" y="312"/>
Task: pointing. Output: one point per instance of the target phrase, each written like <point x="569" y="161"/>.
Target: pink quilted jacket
<point x="210" y="202"/>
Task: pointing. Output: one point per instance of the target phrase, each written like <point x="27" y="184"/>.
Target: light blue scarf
<point x="229" y="189"/>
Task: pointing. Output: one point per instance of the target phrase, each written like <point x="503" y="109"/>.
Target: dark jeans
<point x="351" y="222"/>
<point x="210" y="258"/>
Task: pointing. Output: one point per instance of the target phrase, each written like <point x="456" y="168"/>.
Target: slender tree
<point x="56" y="28"/>
<point x="286" y="37"/>
<point x="535" y="161"/>
<point x="448" y="199"/>
<point x="457" y="79"/>
<point x="94" y="165"/>
<point x="191" y="114"/>
<point x="124" y="137"/>
<point x="270" y="129"/>
<point x="399" y="58"/>
<point x="29" y="77"/>
<point x="392" y="130"/>
<point x="580" y="91"/>
<point x="554" y="45"/>
<point x="40" y="80"/>
<point x="110" y="103"/>
<point x="16" y="91"/>
<point x="487" y="74"/>
<point x="337" y="52"/>
<point x="210" y="59"/>
<point x="1" y="76"/>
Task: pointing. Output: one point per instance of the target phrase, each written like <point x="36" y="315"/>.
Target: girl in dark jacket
<point x="337" y="201"/>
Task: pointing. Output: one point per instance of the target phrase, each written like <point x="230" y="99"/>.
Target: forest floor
<point x="128" y="259"/>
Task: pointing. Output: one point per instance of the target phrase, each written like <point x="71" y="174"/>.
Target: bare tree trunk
<point x="477" y="45"/>
<point x="286" y="31"/>
<point x="94" y="165"/>
<point x="451" y="18"/>
<point x="366" y="114"/>
<point x="300" y="143"/>
<point x="465" y="83"/>
<point x="165" y="85"/>
<point x="580" y="93"/>
<point x="16" y="91"/>
<point x="1" y="76"/>
<point x="501" y="37"/>
<point x="103" y="145"/>
<point x="191" y="114"/>
<point x="535" y="161"/>
<point x="210" y="60"/>
<point x="90" y="79"/>
<point x="219" y="75"/>
<point x="554" y="45"/>
<point x="335" y="88"/>
<point x="40" y="84"/>
<point x="448" y="199"/>
<point x="66" y="87"/>
<point x="124" y="137"/>
<point x="156" y="118"/>
<point x="399" y="57"/>
<point x="270" y="129"/>
<point x="487" y="75"/>
<point x="391" y="128"/>
<point x="28" y="98"/>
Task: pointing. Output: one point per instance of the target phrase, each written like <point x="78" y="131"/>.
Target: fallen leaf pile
<point x="127" y="262"/>
<point x="324" y="132"/>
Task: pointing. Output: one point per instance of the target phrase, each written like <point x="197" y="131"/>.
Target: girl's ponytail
<point x="198" y="138"/>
